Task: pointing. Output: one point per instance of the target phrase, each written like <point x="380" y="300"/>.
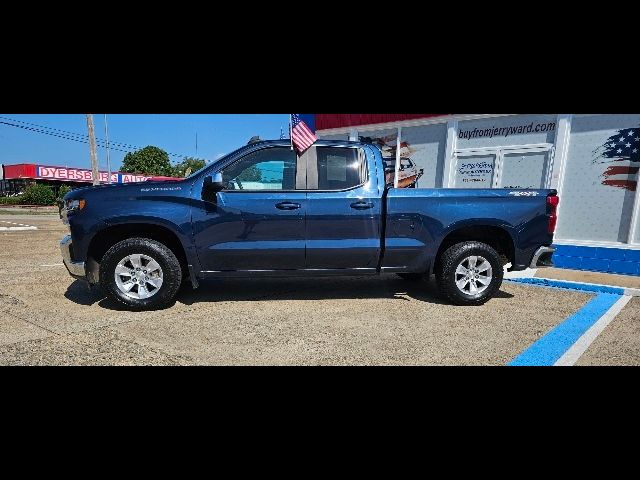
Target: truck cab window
<point x="340" y="168"/>
<point x="266" y="169"/>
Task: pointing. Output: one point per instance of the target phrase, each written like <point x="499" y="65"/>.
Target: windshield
<point x="218" y="160"/>
<point x="206" y="165"/>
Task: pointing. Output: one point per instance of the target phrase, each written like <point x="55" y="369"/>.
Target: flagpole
<point x="396" y="180"/>
<point x="290" y="135"/>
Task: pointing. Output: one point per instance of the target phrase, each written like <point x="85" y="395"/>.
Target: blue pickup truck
<point x="265" y="211"/>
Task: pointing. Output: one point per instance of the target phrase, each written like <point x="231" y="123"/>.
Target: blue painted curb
<point x="550" y="347"/>
<point x="544" y="282"/>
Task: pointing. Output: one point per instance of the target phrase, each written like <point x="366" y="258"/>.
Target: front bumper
<point x="542" y="257"/>
<point x="75" y="269"/>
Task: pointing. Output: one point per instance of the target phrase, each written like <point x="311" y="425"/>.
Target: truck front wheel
<point x="141" y="273"/>
<point x="469" y="273"/>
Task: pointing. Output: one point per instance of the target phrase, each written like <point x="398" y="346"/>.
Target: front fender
<point x="182" y="230"/>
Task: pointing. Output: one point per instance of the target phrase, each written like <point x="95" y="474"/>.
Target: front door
<point x="257" y="221"/>
<point x="343" y="210"/>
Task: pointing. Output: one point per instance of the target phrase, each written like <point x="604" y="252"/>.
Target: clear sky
<point x="218" y="134"/>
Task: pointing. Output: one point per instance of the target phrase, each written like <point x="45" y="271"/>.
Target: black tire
<point x="171" y="272"/>
<point x="413" y="277"/>
<point x="446" y="272"/>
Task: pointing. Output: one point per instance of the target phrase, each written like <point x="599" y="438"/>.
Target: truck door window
<point x="266" y="169"/>
<point x="340" y="168"/>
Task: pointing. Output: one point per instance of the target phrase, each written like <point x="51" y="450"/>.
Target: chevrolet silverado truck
<point x="264" y="210"/>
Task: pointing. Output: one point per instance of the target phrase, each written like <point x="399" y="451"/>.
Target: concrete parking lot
<point x="47" y="318"/>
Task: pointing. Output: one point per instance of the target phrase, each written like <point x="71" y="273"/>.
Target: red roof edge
<point x="326" y="121"/>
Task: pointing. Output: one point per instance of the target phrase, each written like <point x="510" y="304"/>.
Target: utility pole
<point x="106" y="134"/>
<point x="92" y="150"/>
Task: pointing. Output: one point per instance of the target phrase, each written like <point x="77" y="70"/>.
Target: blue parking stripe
<point x="549" y="348"/>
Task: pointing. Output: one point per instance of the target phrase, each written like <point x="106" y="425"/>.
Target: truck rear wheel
<point x="141" y="273"/>
<point x="469" y="273"/>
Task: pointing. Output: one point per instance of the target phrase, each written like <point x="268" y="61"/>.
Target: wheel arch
<point x="112" y="233"/>
<point x="495" y="234"/>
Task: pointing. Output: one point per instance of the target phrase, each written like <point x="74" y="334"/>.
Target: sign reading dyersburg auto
<point x="84" y="175"/>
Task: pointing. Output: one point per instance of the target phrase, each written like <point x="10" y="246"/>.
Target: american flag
<point x="623" y="148"/>
<point x="301" y="136"/>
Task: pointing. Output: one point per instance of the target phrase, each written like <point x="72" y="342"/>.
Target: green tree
<point x="187" y="166"/>
<point x="62" y="191"/>
<point x="38" y="194"/>
<point x="251" y="174"/>
<point x="149" y="160"/>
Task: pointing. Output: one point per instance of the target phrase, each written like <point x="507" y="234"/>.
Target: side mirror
<point x="212" y="185"/>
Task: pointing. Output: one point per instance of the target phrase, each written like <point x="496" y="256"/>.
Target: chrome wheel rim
<point x="138" y="276"/>
<point x="473" y="275"/>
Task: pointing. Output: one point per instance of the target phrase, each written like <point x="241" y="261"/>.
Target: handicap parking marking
<point x="564" y="344"/>
<point x="15" y="226"/>
<point x="572" y="355"/>
<point x="548" y="349"/>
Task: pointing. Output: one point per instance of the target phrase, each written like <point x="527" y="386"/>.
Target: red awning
<point x="21" y="170"/>
<point x="340" y="120"/>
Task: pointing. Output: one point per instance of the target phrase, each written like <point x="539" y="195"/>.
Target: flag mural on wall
<point x="622" y="152"/>
<point x="301" y="135"/>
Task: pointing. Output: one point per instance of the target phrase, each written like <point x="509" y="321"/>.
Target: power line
<point x="66" y="132"/>
<point x="78" y="137"/>
<point x="55" y="135"/>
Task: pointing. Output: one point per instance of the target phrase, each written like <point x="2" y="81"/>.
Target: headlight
<point x="73" y="205"/>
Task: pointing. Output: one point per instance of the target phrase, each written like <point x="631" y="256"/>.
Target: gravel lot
<point x="47" y="318"/>
<point x="619" y="343"/>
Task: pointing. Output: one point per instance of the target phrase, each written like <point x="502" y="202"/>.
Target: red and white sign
<point x="49" y="172"/>
<point x="84" y="175"/>
<point x="132" y="177"/>
<point x="73" y="174"/>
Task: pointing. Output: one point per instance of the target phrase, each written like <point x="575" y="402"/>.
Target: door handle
<point x="362" y="205"/>
<point x="287" y="206"/>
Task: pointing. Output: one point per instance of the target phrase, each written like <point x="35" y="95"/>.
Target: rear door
<point x="343" y="225"/>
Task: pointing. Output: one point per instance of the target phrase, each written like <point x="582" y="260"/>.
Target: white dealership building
<point x="591" y="159"/>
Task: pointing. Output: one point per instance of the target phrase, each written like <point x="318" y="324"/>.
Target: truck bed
<point x="419" y="220"/>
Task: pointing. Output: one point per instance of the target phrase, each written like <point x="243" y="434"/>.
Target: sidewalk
<point x="630" y="283"/>
<point x="28" y="210"/>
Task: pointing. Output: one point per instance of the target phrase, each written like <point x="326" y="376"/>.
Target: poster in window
<point x="387" y="141"/>
<point x="474" y="171"/>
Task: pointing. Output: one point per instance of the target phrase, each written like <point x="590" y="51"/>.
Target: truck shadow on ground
<point x="279" y="289"/>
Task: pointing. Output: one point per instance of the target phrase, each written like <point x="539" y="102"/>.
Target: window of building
<point x="425" y="145"/>
<point x="474" y="170"/>
<point x="526" y="169"/>
<point x="266" y="169"/>
<point x="526" y="166"/>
